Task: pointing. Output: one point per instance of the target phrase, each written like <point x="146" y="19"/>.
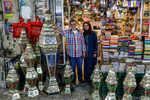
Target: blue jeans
<point x="76" y="61"/>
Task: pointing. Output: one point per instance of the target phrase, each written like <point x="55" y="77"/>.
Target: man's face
<point x="73" y="25"/>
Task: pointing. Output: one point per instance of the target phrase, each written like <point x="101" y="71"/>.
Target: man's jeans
<point x="76" y="61"/>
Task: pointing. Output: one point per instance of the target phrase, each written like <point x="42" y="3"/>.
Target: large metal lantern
<point x="48" y="45"/>
<point x="48" y="41"/>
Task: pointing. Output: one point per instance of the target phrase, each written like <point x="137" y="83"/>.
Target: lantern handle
<point x="21" y="19"/>
<point x="37" y="19"/>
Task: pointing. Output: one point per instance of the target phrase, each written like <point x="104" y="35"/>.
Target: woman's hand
<point x="83" y="55"/>
<point x="94" y="55"/>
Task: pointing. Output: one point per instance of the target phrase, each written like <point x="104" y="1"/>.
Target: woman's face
<point x="86" y="26"/>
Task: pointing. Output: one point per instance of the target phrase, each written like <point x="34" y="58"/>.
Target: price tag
<point x="30" y="93"/>
<point x="105" y="68"/>
<point x="16" y="96"/>
<point x="116" y="66"/>
<point x="140" y="68"/>
<point x="122" y="67"/>
<point x="39" y="70"/>
<point x="67" y="89"/>
<point x="29" y="75"/>
<point x="40" y="86"/>
<point x="36" y="92"/>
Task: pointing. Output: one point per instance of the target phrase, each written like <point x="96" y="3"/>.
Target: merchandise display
<point x="34" y="59"/>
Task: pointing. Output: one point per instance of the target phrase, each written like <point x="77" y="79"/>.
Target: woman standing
<point x="91" y="50"/>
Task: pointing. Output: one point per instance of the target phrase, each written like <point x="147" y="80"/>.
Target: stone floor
<point x="79" y="93"/>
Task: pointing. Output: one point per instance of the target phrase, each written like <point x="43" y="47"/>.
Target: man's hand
<point x="83" y="54"/>
<point x="94" y="55"/>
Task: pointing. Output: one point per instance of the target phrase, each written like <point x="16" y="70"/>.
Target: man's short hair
<point x="72" y="20"/>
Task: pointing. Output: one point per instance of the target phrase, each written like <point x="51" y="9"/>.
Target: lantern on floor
<point x="96" y="78"/>
<point x="129" y="84"/>
<point x="39" y="68"/>
<point x="48" y="44"/>
<point x="111" y="81"/>
<point x="68" y="78"/>
<point x="31" y="74"/>
<point x="12" y="83"/>
<point x="146" y="84"/>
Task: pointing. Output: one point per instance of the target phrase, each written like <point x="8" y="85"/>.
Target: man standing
<point x="75" y="48"/>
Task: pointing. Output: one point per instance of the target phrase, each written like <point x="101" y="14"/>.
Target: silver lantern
<point x="48" y="45"/>
<point x="68" y="78"/>
<point x="111" y="81"/>
<point x="129" y="84"/>
<point x="12" y="83"/>
<point x="31" y="74"/>
<point x="96" y="80"/>
<point x="146" y="84"/>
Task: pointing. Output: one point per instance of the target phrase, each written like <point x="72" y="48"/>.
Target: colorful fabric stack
<point x="123" y="46"/>
<point x="123" y="43"/>
<point x="105" y="48"/>
<point x="131" y="49"/>
<point x="138" y="50"/>
<point x="147" y="49"/>
<point x="114" y="46"/>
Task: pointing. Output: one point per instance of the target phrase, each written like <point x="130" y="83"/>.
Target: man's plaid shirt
<point x="75" y="43"/>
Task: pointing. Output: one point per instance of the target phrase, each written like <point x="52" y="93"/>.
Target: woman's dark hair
<point x="87" y="31"/>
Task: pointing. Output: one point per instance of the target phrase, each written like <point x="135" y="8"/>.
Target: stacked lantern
<point x="22" y="42"/>
<point x="39" y="68"/>
<point x="48" y="44"/>
<point x="12" y="82"/>
<point x="68" y="78"/>
<point x="129" y="84"/>
<point x="111" y="81"/>
<point x="146" y="84"/>
<point x="31" y="74"/>
<point x="96" y="79"/>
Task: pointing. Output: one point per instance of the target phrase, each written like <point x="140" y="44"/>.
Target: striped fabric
<point x="133" y="3"/>
<point x="75" y="43"/>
